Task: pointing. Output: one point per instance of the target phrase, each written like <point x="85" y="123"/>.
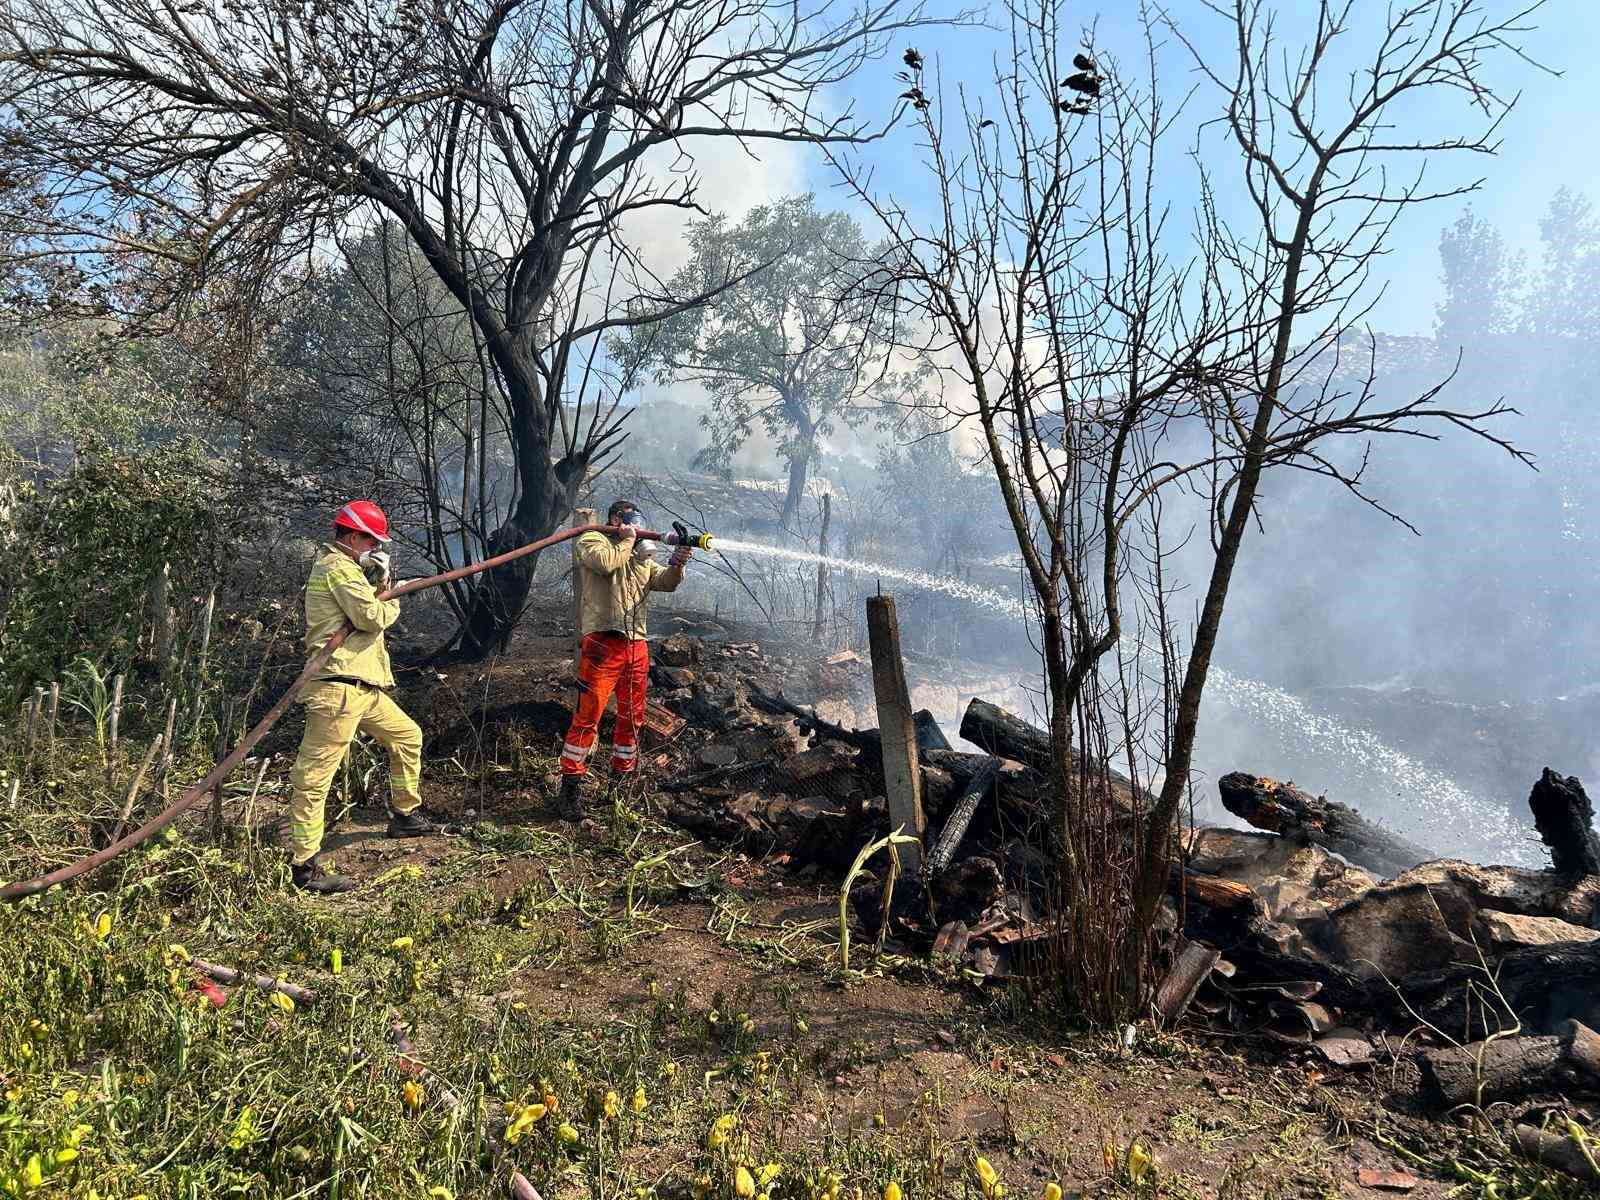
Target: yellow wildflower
<point x="669" y="1069"/>
<point x="639" y="1100"/>
<point x="69" y="1097"/>
<point x="177" y="952"/>
<point x="743" y="1185"/>
<point x="102" y="926"/>
<point x="402" y="943"/>
<point x="1139" y="1162"/>
<point x="768" y="1173"/>
<point x="524" y="1119"/>
<point x="440" y="1193"/>
<point x="720" y="1129"/>
<point x="33" y="1173"/>
<point x="280" y="1001"/>
<point x="1052" y="1191"/>
<point x="988" y="1178"/>
<point x="611" y="1105"/>
<point x="567" y="1133"/>
<point x="65" y="1156"/>
<point x="336" y="965"/>
<point x="892" y="1192"/>
<point x="411" y="1094"/>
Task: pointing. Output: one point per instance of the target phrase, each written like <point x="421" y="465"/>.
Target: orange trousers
<point x="608" y="663"/>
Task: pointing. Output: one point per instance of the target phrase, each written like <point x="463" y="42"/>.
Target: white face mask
<point x="643" y="550"/>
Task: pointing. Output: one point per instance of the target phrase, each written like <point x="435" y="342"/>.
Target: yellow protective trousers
<point x="335" y="713"/>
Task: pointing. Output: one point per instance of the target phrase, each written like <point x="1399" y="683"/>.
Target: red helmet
<point x="364" y="517"/>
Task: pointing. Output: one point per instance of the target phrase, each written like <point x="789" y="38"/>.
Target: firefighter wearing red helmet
<point x="351" y="694"/>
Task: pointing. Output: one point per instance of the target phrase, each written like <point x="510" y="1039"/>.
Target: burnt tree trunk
<point x="1284" y="809"/>
<point x="1565" y="819"/>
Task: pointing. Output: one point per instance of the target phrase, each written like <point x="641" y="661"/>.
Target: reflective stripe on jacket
<point x="617" y="586"/>
<point x="338" y="592"/>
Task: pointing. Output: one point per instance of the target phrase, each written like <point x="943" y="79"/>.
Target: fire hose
<point x="32" y="887"/>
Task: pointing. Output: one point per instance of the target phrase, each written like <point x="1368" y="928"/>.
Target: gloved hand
<point x="375" y="565"/>
<point x="681" y="556"/>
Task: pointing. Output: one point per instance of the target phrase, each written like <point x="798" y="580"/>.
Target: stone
<point x="718" y="755"/>
<point x="1510" y="931"/>
<point x="1393" y="932"/>
<point x="1463" y="888"/>
<point x="679" y="650"/>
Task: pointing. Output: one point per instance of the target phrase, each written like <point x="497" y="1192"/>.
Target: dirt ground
<point x="898" y="1048"/>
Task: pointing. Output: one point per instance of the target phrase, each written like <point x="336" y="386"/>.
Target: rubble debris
<point x="1346" y="1048"/>
<point x="1510" y="1067"/>
<point x="1293" y="813"/>
<point x="1385" y="1180"/>
<point x="952" y="940"/>
<point x="1564" y="818"/>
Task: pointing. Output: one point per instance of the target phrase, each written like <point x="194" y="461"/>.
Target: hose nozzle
<point x="680" y="536"/>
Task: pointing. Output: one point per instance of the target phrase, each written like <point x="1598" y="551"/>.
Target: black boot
<point x="310" y="877"/>
<point x="569" y="803"/>
<point x="409" y="824"/>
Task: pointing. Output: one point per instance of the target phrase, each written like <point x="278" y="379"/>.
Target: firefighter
<point x="350" y="695"/>
<point x="615" y="573"/>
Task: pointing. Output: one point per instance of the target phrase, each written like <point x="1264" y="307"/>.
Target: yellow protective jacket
<point x="617" y="586"/>
<point x="338" y="592"/>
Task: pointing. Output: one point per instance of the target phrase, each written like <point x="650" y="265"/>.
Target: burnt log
<point x="1189" y="970"/>
<point x="1286" y="810"/>
<point x="961" y="814"/>
<point x="1564" y="818"/>
<point x="1550" y="1148"/>
<point x="1511" y="1067"/>
<point x="1007" y="735"/>
<point x="1542" y="987"/>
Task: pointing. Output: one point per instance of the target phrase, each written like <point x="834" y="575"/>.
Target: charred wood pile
<point x="1318" y="928"/>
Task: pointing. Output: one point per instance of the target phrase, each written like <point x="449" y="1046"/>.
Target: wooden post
<point x="116" y="719"/>
<point x="902" y="774"/>
<point x="580" y="516"/>
<point x="35" y="711"/>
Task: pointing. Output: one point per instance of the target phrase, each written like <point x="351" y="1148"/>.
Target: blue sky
<point x="1551" y="139"/>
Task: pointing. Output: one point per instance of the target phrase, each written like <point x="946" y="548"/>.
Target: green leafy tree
<point x="1481" y="282"/>
<point x="795" y="347"/>
<point x="77" y="553"/>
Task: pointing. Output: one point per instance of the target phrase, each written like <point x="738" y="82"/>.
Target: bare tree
<point x="1110" y="363"/>
<point x="512" y="140"/>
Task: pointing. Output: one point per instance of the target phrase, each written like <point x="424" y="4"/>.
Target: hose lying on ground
<point x="32" y="887"/>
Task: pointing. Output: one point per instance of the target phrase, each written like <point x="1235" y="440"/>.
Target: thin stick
<point x="266" y="983"/>
<point x="55" y="705"/>
<point x="133" y="787"/>
<point x="250" y="804"/>
<point x="16" y="786"/>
